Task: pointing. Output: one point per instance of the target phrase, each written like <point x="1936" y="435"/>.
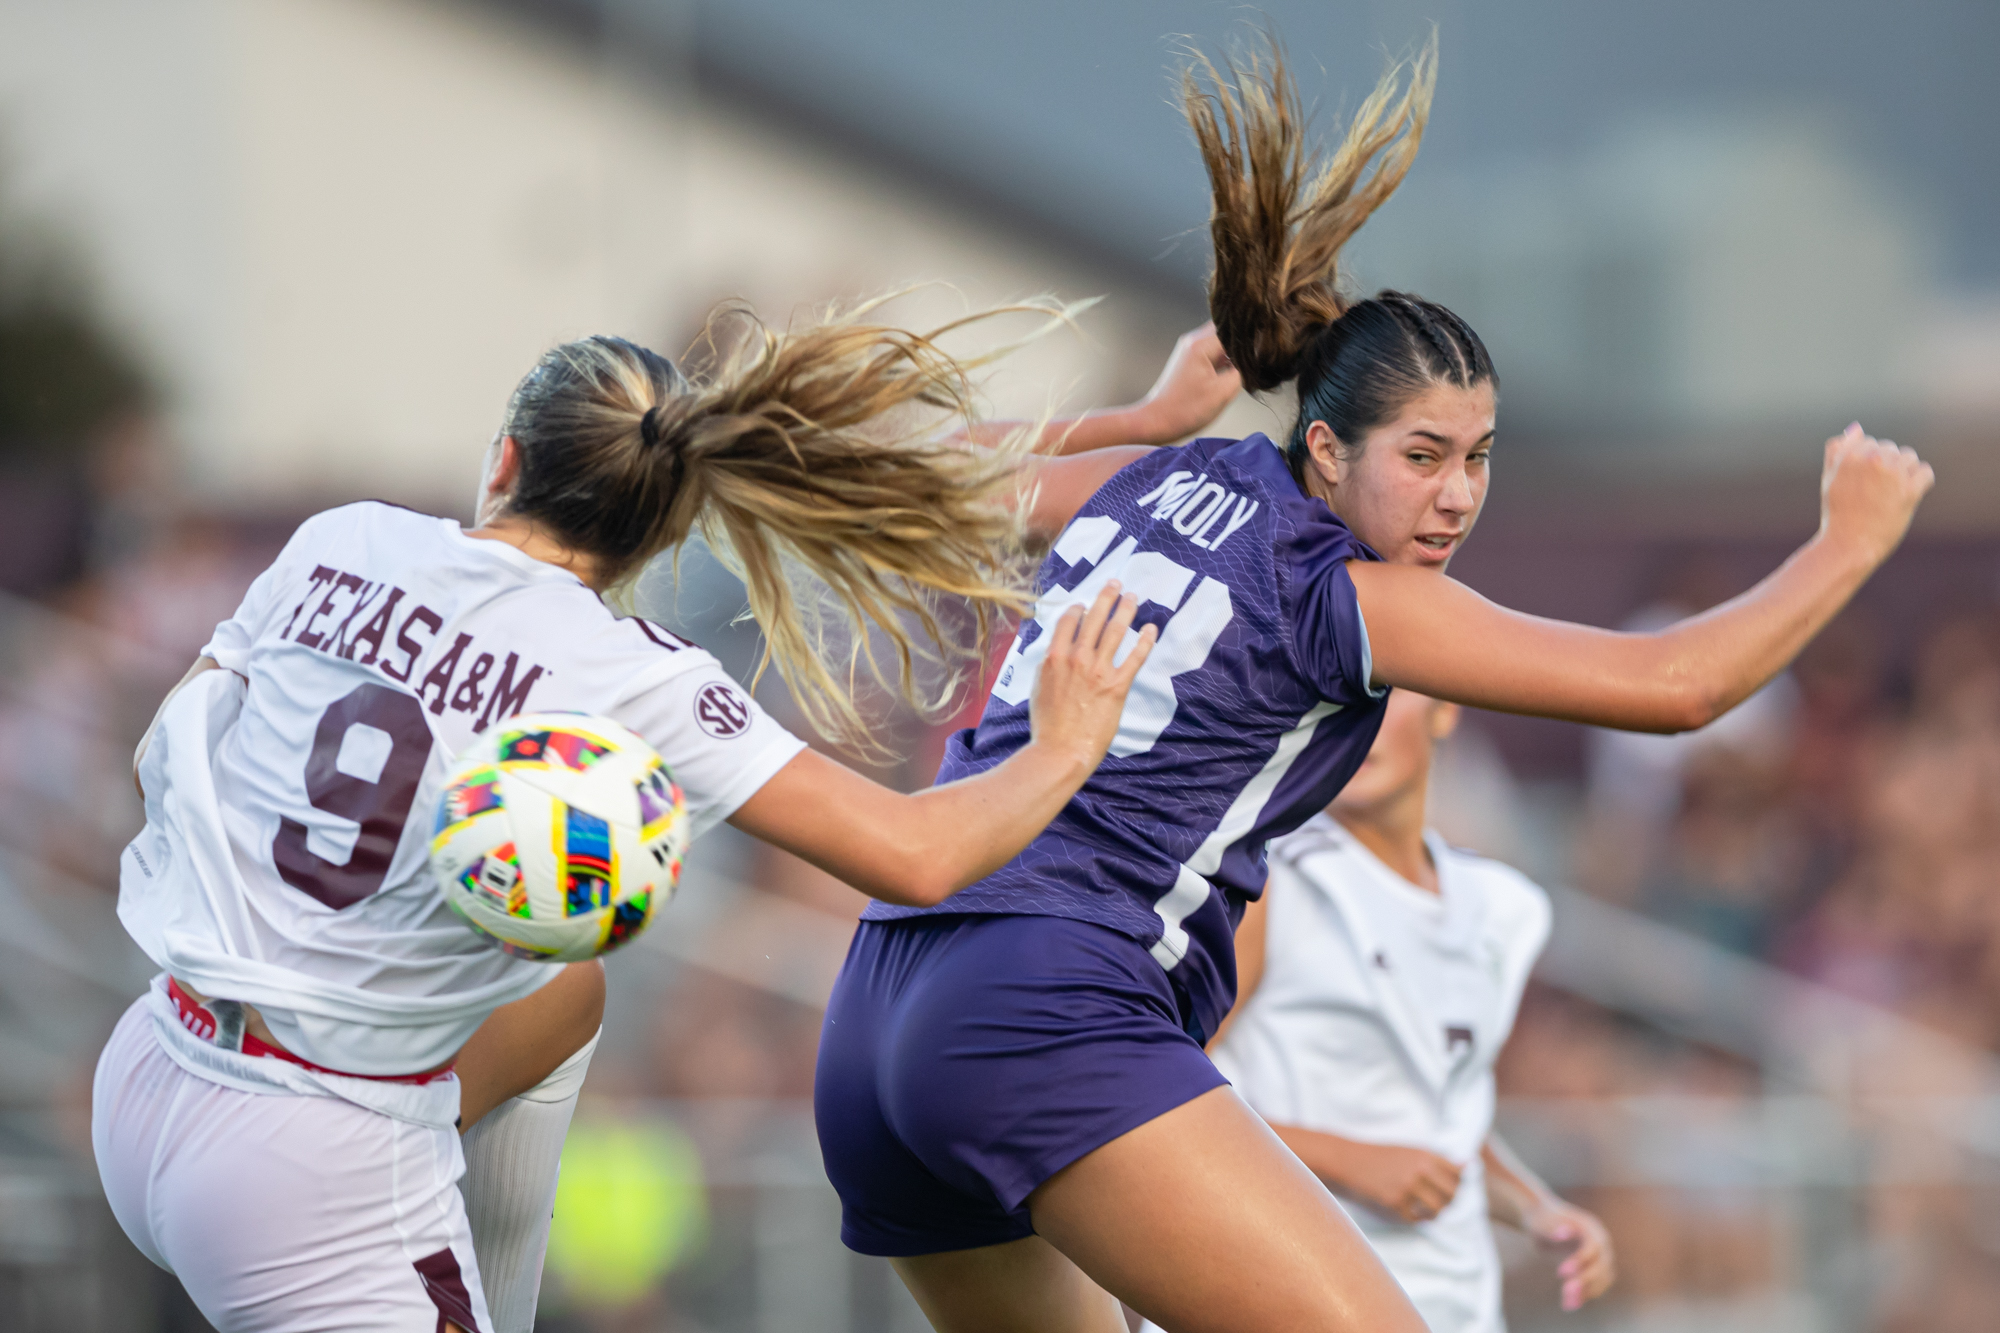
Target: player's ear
<point x="1323" y="452"/>
<point x="505" y="468"/>
<point x="1444" y="719"/>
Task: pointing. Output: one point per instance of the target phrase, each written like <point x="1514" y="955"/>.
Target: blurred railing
<point x="1791" y="1178"/>
<point x="1780" y="1197"/>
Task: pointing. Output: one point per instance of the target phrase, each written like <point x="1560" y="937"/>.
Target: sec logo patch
<point x="722" y="710"/>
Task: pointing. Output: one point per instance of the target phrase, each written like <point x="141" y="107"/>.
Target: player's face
<point x="1414" y="489"/>
<point x="1399" y="763"/>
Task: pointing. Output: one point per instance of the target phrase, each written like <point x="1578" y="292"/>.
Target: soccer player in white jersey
<point x="1378" y="978"/>
<point x="274" y="1120"/>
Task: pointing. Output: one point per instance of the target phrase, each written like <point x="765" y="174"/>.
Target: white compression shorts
<point x="278" y="1212"/>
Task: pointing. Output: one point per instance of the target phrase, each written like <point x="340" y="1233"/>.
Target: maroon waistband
<point x="205" y="1024"/>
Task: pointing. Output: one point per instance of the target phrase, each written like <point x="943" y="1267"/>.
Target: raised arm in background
<point x="1076" y="455"/>
<point x="1195" y="385"/>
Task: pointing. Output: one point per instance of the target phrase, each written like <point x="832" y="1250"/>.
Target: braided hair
<point x="1360" y="370"/>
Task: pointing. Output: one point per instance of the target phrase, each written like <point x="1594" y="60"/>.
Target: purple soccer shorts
<point x="966" y="1059"/>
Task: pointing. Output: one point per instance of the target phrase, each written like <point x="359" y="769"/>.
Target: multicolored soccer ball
<point x="559" y="835"/>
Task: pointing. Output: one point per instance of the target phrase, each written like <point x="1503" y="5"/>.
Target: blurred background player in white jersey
<point x="1379" y="976"/>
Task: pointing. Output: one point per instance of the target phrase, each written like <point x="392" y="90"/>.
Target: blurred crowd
<point x="1843" y="823"/>
<point x="89" y="657"/>
<point x="1841" y="826"/>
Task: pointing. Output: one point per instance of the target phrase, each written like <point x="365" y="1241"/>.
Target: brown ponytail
<point x="1278" y="226"/>
<point x="811" y="462"/>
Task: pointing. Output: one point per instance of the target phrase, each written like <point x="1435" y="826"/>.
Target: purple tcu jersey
<point x="1252" y="712"/>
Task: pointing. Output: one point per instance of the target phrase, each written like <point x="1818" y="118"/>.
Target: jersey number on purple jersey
<point x="357" y="725"/>
<point x="1195" y="621"/>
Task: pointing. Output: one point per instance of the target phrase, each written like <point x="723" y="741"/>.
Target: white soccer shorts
<point x="282" y="1213"/>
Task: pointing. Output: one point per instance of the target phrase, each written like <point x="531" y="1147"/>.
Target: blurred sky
<point x="1059" y="109"/>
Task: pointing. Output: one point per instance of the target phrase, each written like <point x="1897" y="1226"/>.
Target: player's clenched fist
<point x="1869" y="491"/>
<point x="1083" y="682"/>
<point x="1410" y="1184"/>
<point x="1196" y="385"/>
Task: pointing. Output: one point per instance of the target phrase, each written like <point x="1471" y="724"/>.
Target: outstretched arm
<point x="1196" y="384"/>
<point x="919" y="849"/>
<point x="1436" y="636"/>
<point x="1077" y="455"/>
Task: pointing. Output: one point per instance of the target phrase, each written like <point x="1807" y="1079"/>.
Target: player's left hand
<point x="1590" y="1267"/>
<point x="1196" y="385"/>
<point x="1080" y="691"/>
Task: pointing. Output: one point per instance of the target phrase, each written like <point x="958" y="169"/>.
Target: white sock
<point x="511" y="1159"/>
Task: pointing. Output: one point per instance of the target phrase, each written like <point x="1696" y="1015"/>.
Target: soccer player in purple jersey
<point x="1012" y="1096"/>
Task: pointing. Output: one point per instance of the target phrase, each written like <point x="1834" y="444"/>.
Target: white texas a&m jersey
<point x="1381" y="1010"/>
<point x="289" y="798"/>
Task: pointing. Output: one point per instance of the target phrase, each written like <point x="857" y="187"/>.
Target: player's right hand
<point x="1197" y="383"/>
<point x="1409" y="1184"/>
<point x="1869" y="492"/>
<point x="1081" y="689"/>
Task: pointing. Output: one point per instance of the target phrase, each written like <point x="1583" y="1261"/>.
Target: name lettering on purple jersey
<point x="1196" y="504"/>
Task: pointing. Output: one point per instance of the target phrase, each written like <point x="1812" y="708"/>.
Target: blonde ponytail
<point x="811" y="462"/>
